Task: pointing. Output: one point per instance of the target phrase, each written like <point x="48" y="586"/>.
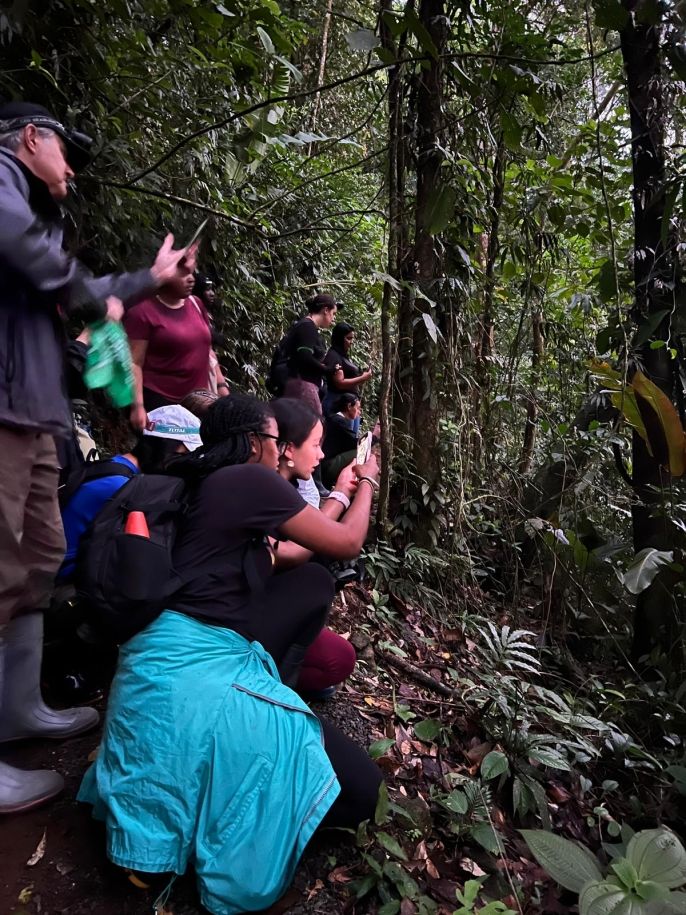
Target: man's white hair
<point x="12" y="139"/>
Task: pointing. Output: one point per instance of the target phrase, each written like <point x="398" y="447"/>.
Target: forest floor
<point x="415" y="858"/>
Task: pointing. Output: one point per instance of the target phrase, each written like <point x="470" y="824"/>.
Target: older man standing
<point x="38" y="158"/>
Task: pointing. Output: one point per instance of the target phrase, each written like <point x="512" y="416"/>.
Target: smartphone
<point x="198" y="232"/>
<point x="364" y="448"/>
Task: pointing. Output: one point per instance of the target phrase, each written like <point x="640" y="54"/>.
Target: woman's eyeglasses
<point x="280" y="442"/>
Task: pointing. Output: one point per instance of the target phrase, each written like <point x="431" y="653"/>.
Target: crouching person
<point x="79" y="660"/>
<point x="208" y="757"/>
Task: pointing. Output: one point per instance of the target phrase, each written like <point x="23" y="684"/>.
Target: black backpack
<point x="280" y="369"/>
<point x="127" y="580"/>
<point x="86" y="471"/>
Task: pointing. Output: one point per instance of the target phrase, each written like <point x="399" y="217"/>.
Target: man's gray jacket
<point x="37" y="281"/>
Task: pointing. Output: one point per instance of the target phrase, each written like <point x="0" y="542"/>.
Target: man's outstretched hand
<point x="168" y="259"/>
<point x="115" y="308"/>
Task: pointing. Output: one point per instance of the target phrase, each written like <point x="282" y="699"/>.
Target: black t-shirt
<point x="231" y="508"/>
<point x="350" y="370"/>
<point x="306" y="349"/>
<point x="338" y="437"/>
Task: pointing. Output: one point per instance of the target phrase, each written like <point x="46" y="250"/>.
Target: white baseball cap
<point x="174" y="422"/>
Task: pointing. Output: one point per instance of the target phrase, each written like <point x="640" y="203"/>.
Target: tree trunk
<point x="486" y="342"/>
<point x="394" y="190"/>
<point x="429" y="101"/>
<point x="322" y="65"/>
<point x="657" y="612"/>
<point x="532" y="403"/>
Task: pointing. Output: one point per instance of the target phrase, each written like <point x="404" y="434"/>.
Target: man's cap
<point x="15" y="115"/>
<point x="322" y="300"/>
<point x="174" y="422"/>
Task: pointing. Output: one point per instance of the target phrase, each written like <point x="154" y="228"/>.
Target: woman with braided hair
<point x="208" y="757"/>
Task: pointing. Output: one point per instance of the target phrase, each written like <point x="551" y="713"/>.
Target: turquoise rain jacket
<point x="207" y="758"/>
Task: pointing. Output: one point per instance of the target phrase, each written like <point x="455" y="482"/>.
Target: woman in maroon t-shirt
<point x="170" y="342"/>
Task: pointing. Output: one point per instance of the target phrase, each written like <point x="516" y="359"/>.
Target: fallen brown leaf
<point x="40" y="850"/>
<point x="317" y="888"/>
<point x="471" y="867"/>
<point x="431" y="869"/>
<point x="339" y="875"/>
<point x="477" y="751"/>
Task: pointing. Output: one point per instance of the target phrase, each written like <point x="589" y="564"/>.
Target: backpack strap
<point x="91" y="470"/>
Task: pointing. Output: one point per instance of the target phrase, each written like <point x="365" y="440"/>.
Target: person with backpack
<point x="298" y="369"/>
<point x="39" y="284"/>
<point x="169" y="430"/>
<point x="208" y="757"/>
<point x="78" y="656"/>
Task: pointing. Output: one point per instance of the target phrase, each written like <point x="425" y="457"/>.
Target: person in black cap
<point x="38" y="158"/>
<point x="306" y="350"/>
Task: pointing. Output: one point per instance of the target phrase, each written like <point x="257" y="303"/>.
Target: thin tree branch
<point x="315" y="226"/>
<point x="315" y="178"/>
<point x="306" y="93"/>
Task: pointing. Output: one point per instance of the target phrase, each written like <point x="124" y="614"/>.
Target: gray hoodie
<point x="37" y="276"/>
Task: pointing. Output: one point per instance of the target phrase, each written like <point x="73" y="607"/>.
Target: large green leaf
<point x="493" y="765"/>
<point x="602" y="898"/>
<point x="392" y="845"/>
<point x="664" y="431"/>
<point x="440" y="209"/>
<point x="658" y="855"/>
<point x="487" y="837"/>
<point x="569" y="864"/>
<point x="427" y="730"/>
<point x="379" y="747"/>
<point x="644" y="568"/>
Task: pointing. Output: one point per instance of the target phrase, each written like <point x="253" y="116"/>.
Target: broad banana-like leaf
<point x="663" y="424"/>
<point x="651" y="413"/>
<point x="623" y="396"/>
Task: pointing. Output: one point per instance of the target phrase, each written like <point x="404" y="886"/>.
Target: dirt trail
<point x="73" y="876"/>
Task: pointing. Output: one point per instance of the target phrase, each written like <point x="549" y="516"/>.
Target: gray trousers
<point x="31" y="535"/>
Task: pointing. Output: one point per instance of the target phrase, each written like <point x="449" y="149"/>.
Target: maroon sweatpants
<point x="329" y="660"/>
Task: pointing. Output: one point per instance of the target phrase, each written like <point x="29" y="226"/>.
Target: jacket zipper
<point x="10" y="367"/>
<point x="325" y="790"/>
<point x="293" y="708"/>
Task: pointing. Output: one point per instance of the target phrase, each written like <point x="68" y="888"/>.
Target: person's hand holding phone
<point x="369" y="469"/>
<point x="346" y="482"/>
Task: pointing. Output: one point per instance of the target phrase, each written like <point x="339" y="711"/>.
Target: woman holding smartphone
<point x="208" y="757"/>
<point x="350" y="378"/>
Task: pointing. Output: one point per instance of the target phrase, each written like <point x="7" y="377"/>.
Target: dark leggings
<point x="358" y="777"/>
<point x="287" y="617"/>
